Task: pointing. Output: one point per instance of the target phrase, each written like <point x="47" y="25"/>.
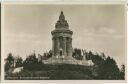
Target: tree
<point x="18" y="62"/>
<point x="122" y="72"/>
<point x="77" y="54"/>
<point x="31" y="62"/>
<point x="103" y="56"/>
<point x="89" y="55"/>
<point x="96" y="59"/>
<point x="9" y="64"/>
<point x="109" y="69"/>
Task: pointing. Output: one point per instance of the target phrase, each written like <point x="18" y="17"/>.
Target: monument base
<point x="61" y="60"/>
<point x="67" y="60"/>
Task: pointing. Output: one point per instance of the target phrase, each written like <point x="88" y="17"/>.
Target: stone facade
<point x="62" y="38"/>
<point x="62" y="45"/>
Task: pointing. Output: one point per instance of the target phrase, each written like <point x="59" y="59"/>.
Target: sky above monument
<point x="100" y="28"/>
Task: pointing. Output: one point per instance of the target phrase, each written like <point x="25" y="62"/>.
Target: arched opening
<point x="60" y="52"/>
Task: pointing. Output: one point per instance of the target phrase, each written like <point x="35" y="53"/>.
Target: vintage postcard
<point x="60" y="41"/>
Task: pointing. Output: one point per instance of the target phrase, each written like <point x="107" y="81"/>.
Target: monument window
<point x="60" y="52"/>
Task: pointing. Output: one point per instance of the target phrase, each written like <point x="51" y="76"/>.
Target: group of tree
<point x="31" y="62"/>
<point x="105" y="67"/>
<point x="12" y="62"/>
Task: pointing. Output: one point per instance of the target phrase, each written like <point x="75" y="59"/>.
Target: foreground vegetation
<point x="104" y="68"/>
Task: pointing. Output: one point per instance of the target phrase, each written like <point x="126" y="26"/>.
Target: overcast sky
<point x="99" y="28"/>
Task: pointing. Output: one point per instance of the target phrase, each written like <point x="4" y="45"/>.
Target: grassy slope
<point x="59" y="72"/>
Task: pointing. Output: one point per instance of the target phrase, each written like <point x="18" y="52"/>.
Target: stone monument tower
<point x="62" y="38"/>
<point x="61" y="43"/>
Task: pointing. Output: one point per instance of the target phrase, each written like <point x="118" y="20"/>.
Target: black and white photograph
<point x="64" y="42"/>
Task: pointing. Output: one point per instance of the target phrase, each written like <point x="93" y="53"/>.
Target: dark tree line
<point x="105" y="67"/>
<point x="32" y="62"/>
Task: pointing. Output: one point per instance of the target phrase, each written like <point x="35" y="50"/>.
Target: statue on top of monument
<point x="61" y="17"/>
<point x="62" y="23"/>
